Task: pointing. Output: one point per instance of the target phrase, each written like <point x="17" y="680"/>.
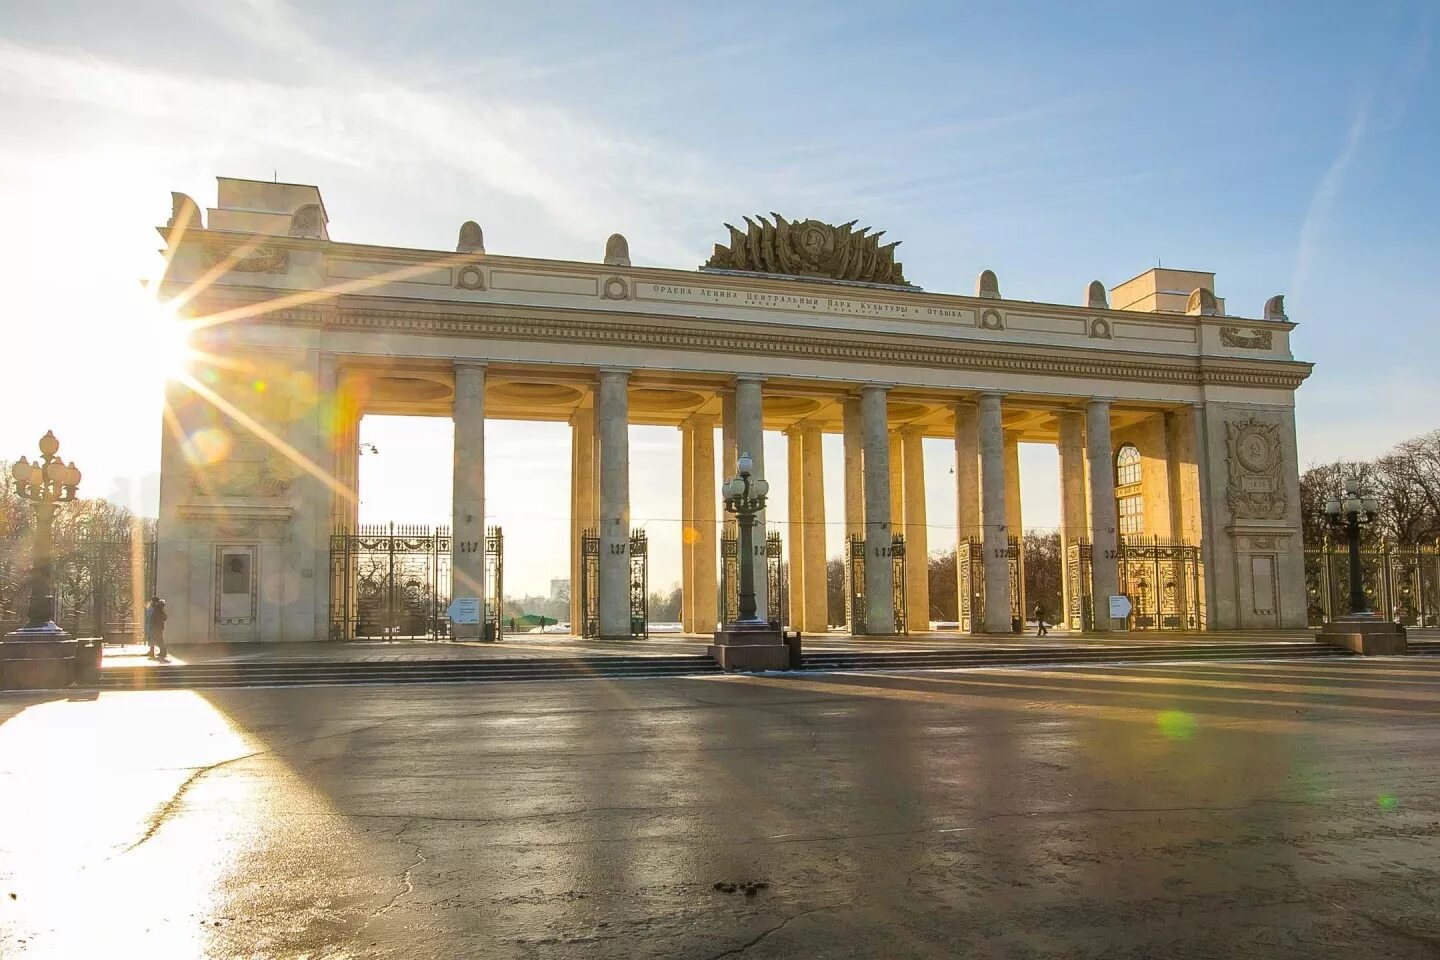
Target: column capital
<point x="910" y="430"/>
<point x="989" y="395"/>
<point x="1098" y="402"/>
<point x="748" y="378"/>
<point x="872" y="387"/>
<point x="477" y="365"/>
<point x="614" y="372"/>
<point x="700" y="420"/>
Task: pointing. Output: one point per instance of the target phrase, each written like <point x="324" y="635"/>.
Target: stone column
<point x="897" y="483"/>
<point x="1013" y="517"/>
<point x="687" y="527"/>
<point x="704" y="505"/>
<point x="582" y="504"/>
<point x="729" y="449"/>
<point x="879" y="577"/>
<point x="994" y="528"/>
<point x="816" y="618"/>
<point x="750" y="438"/>
<point x="854" y="477"/>
<point x="613" y="426"/>
<point x="795" y="529"/>
<point x="917" y="550"/>
<point x="1104" y="571"/>
<point x="967" y="501"/>
<point x="467" y="544"/>
<point x="1074" y="520"/>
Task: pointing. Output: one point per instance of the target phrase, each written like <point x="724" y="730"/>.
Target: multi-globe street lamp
<point x="1347" y="514"/>
<point x="46" y="483"/>
<point x="745" y="498"/>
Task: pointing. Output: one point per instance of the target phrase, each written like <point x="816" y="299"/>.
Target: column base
<point x="750" y="647"/>
<point x="38" y="658"/>
<point x="1366" y="634"/>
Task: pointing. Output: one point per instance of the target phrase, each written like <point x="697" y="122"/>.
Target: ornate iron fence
<point x="970" y="582"/>
<point x="855" y="583"/>
<point x="777" y="575"/>
<point x="1162" y="578"/>
<point x="102" y="581"/>
<point x="639" y="568"/>
<point x="1400" y="581"/>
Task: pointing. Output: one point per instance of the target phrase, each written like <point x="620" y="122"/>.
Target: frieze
<point x="243" y="260"/>
<point x="1254" y="340"/>
<point x="257" y="476"/>
<point x="796" y="303"/>
<point x="1256" y="489"/>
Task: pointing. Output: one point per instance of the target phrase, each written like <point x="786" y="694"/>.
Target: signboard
<point x="465" y="610"/>
<point x="1120" y="608"/>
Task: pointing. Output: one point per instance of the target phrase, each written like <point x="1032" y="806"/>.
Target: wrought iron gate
<point x="777" y="576"/>
<point x="494" y="583"/>
<point x="639" y="568"/>
<point x="1162" y="579"/>
<point x="855" y="583"/>
<point x="970" y="582"/>
<point x="103" y="577"/>
<point x="1402" y="582"/>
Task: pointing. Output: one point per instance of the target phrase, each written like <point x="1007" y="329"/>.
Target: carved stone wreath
<point x="1257" y="489"/>
<point x="258" y="260"/>
<point x="1254" y="340"/>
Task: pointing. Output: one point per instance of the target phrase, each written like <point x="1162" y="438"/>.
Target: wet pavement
<point x="1260" y="809"/>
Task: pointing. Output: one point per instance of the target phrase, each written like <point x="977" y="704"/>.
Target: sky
<point x="1288" y="147"/>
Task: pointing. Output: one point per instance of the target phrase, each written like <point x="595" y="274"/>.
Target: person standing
<point x="155" y="618"/>
<point x="1040" y="630"/>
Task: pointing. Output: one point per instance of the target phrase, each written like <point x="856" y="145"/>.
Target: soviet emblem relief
<point x="1253" y="340"/>
<point x="252" y="260"/>
<point x="809" y="248"/>
<point x="1256" y="489"/>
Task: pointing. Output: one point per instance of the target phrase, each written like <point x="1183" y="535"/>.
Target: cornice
<point x="602" y="328"/>
<point x="673" y="276"/>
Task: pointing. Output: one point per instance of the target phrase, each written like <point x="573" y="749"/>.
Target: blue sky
<point x="1289" y="147"/>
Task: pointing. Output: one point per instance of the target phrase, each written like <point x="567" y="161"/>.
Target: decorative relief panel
<point x="470" y="277"/>
<point x="249" y="471"/>
<point x="241" y="260"/>
<point x="992" y="320"/>
<point x="1100" y="329"/>
<point x="1248" y="340"/>
<point x="615" y="288"/>
<point x="1257" y="489"/>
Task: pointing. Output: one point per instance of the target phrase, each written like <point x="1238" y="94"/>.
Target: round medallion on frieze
<point x="470" y="277"/>
<point x="615" y="288"/>
<point x="1100" y="329"/>
<point x="991" y="320"/>
<point x="1254" y="452"/>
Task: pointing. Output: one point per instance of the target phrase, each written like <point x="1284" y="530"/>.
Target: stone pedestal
<point x="38" y="658"/>
<point x="747" y="646"/>
<point x="1365" y="633"/>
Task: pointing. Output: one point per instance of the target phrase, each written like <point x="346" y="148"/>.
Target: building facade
<point x="1174" y="420"/>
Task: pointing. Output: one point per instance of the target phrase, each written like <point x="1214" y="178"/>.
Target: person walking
<point x="1040" y="630"/>
<point x="155" y="618"/>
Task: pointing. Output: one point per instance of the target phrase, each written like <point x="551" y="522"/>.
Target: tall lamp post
<point x="41" y="654"/>
<point x="749" y="642"/>
<point x="1362" y="630"/>
<point x="745" y="498"/>
<point x="1347" y="515"/>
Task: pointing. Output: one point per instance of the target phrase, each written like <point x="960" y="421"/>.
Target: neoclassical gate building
<point x="1173" y="419"/>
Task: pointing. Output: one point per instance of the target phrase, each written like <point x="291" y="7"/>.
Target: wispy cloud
<point x="1322" y="201"/>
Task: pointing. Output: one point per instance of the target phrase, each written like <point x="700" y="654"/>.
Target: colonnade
<point x="884" y="480"/>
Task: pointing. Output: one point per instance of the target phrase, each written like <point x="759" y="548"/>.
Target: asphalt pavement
<point x="1257" y="809"/>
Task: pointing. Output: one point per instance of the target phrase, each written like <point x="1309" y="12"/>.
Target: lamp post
<point x="45" y="483"/>
<point x="745" y="498"/>
<point x="41" y="654"/>
<point x="750" y="642"/>
<point x="1347" y="514"/>
<point x="1361" y="630"/>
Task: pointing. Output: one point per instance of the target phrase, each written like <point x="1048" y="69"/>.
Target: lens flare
<point x="1177" y="724"/>
<point x="206" y="446"/>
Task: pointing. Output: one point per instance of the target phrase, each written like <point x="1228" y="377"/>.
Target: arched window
<point x="1128" y="497"/>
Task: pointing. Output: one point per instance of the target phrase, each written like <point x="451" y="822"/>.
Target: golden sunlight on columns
<point x="750" y="439"/>
<point x="1073" y="516"/>
<point x="967" y="503"/>
<point x="854" y="467"/>
<point x="795" y="529"/>
<point x="582" y="503"/>
<point x="467" y="562"/>
<point x="612" y="423"/>
<point x="1100" y="460"/>
<point x="1013" y="518"/>
<point x="703" y="512"/>
<point x="816" y="619"/>
<point x="917" y="549"/>
<point x="687" y="527"/>
<point x="879" y="574"/>
<point x="993" y="523"/>
<point x="897" y="482"/>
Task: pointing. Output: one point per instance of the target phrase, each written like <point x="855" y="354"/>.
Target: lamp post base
<point x="750" y="647"/>
<point x="38" y="658"/>
<point x="1365" y="633"/>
